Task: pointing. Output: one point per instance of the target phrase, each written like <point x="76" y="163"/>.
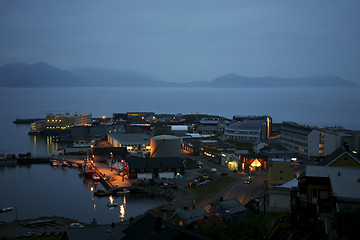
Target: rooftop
<point x="131" y="138"/>
<point x="247" y="125"/>
<point x="155" y="163"/>
<point x="190" y="215"/>
<point x="345" y="181"/>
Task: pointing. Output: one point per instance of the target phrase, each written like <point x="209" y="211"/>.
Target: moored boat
<point x="96" y="177"/>
<point x="8" y="209"/>
<point x="54" y="163"/>
<point x="112" y="204"/>
<point x="65" y="164"/>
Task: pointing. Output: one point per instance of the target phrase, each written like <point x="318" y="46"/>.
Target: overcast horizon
<point x="182" y="41"/>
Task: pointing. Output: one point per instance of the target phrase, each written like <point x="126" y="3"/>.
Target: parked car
<point x="213" y="170"/>
<point x="248" y="181"/>
<point x="29" y="234"/>
<point x="76" y="225"/>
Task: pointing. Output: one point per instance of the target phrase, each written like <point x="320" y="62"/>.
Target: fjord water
<point x="313" y="106"/>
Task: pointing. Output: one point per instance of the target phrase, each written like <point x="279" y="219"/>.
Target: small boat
<point x="54" y="162"/>
<point x="65" y="164"/>
<point x="124" y="191"/>
<point x="101" y="193"/>
<point x="96" y="177"/>
<point x="110" y="205"/>
<point x="8" y="209"/>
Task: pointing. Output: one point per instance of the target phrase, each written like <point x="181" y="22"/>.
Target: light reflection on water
<point x="41" y="190"/>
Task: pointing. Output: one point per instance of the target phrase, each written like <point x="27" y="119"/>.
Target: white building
<point x="313" y="142"/>
<point x="246" y="131"/>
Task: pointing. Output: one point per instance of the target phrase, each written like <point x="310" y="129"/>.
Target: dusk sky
<point x="187" y="40"/>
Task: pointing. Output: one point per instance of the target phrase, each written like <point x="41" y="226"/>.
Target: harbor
<point x="63" y="192"/>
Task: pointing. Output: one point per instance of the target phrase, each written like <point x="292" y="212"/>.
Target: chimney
<point x="158" y="224"/>
<point x="346" y="146"/>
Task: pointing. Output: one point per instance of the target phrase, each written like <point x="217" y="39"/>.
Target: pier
<point x="27" y="120"/>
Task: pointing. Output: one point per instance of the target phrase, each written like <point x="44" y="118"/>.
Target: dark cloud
<point x="186" y="40"/>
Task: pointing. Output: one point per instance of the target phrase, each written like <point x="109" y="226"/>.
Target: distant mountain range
<point x="44" y="75"/>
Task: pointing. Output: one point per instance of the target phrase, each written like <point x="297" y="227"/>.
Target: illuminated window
<point x="181" y="223"/>
<point x="301" y="149"/>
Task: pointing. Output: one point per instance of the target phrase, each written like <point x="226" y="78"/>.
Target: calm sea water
<point x="313" y="106"/>
<point x="41" y="190"/>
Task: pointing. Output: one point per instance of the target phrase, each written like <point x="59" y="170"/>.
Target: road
<point x="238" y="189"/>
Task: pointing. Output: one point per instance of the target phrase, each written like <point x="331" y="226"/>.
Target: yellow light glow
<point x="122" y="212"/>
<point x="256" y="163"/>
<point x="111" y="199"/>
<point x="103" y="117"/>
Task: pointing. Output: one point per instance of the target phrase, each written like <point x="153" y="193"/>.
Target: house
<point x="183" y="217"/>
<point x="230" y="161"/>
<point x="342" y="157"/>
<point x="149" y="168"/>
<point x="209" y="222"/>
<point x="230" y="210"/>
<point x="321" y="192"/>
<point x="280" y="171"/>
<point x="258" y="146"/>
<point x="150" y="227"/>
<point x="279" y="196"/>
<point x="252" y="162"/>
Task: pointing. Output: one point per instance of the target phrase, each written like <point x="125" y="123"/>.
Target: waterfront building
<point x="280" y="171"/>
<point x="165" y="146"/>
<point x="108" y="154"/>
<point x="140" y="117"/>
<point x="95" y="131"/>
<point x="139" y="142"/>
<point x="191" y="145"/>
<point x="56" y="123"/>
<point x="230" y="161"/>
<point x="211" y="126"/>
<point x="213" y="149"/>
<point x="149" y="168"/>
<point x="314" y="142"/>
<point x="247" y="131"/>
